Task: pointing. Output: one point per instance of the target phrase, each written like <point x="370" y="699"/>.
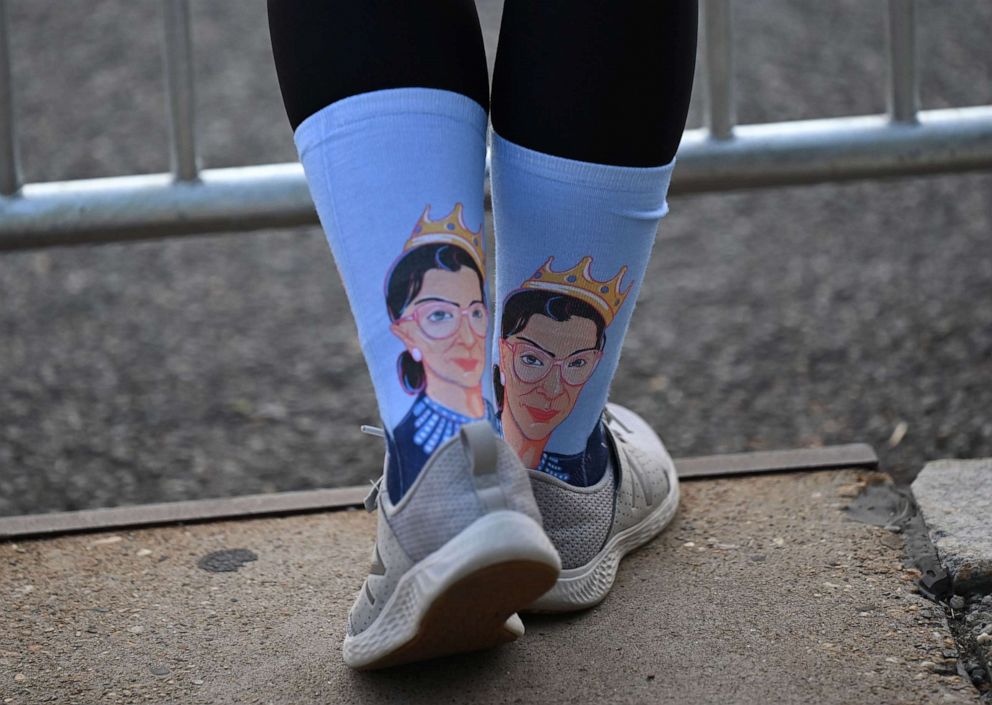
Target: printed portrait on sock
<point x="435" y="297"/>
<point x="552" y="338"/>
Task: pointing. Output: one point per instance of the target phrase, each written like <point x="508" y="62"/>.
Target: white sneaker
<point x="594" y="527"/>
<point x="460" y="553"/>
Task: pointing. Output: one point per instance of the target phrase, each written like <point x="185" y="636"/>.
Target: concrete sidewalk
<point x="761" y="591"/>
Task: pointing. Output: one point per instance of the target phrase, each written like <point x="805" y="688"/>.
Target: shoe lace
<point x="612" y="418"/>
<point x="371" y="500"/>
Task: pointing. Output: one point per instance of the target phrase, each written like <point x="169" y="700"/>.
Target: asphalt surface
<point x="761" y="591"/>
<point x="226" y="365"/>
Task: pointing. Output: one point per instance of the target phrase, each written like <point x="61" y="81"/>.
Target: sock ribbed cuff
<point x="384" y="105"/>
<point x="651" y="182"/>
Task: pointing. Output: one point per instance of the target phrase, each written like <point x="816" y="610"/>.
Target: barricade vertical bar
<point x="10" y="168"/>
<point x="903" y="98"/>
<point x="179" y="86"/>
<point x="719" y="68"/>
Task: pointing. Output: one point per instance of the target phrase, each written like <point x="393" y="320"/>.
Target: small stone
<point x="957" y="602"/>
<point x="983" y="638"/>
<point x="929" y="665"/>
<point x="143" y="552"/>
<point x="948" y="668"/>
<point x="136" y="629"/>
<point x="159" y="669"/>
<point x="850" y="490"/>
<point x="197" y="681"/>
<point x="898" y="433"/>
<point x="20" y="678"/>
<point x="107" y="541"/>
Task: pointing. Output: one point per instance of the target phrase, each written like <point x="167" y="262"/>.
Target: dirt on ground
<point x="762" y="590"/>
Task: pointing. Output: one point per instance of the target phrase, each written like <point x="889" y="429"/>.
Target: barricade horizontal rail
<point x="241" y="199"/>
<point x="722" y="156"/>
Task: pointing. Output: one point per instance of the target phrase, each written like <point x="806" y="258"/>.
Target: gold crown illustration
<point x="604" y="296"/>
<point x="449" y="230"/>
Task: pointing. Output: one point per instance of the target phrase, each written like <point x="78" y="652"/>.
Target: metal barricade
<point x="721" y="156"/>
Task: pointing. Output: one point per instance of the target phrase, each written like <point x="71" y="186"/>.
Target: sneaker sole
<point x="459" y="598"/>
<point x="586" y="586"/>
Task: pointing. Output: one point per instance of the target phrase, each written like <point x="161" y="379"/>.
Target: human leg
<point x="589" y="103"/>
<point x="388" y="105"/>
<point x="391" y="132"/>
<point x="596" y="81"/>
<point x="326" y="51"/>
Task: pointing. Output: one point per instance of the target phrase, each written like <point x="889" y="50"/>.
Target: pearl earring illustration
<point x="416" y="354"/>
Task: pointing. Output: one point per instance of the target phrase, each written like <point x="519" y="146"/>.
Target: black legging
<point x="605" y="81"/>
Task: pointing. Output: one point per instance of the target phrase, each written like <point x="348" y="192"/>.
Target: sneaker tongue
<point x="479" y="444"/>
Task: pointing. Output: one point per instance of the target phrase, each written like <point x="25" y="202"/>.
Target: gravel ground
<point x="227" y="365"/>
<point x="973" y="627"/>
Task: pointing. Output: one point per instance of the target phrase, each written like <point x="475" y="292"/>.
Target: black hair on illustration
<point x="403" y="284"/>
<point x="524" y="303"/>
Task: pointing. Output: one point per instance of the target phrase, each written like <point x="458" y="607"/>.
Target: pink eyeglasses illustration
<point x="531" y="364"/>
<point x="441" y="319"/>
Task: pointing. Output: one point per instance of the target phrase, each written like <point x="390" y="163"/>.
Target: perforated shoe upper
<point x="580" y="520"/>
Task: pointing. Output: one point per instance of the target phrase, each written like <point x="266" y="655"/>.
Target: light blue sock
<point x="572" y="244"/>
<point x="397" y="179"/>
